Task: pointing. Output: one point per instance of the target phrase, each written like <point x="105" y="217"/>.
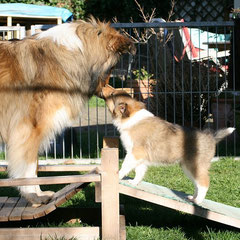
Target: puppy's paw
<point x="194" y="199"/>
<point x="190" y="198"/>
<point x="133" y="182"/>
<point x="121" y="175"/>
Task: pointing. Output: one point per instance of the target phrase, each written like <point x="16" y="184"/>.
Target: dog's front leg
<point x="33" y="193"/>
<point x="22" y="151"/>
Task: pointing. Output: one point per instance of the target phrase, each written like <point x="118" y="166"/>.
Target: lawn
<point x="96" y="102"/>
<point x="147" y="221"/>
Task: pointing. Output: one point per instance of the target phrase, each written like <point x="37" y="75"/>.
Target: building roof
<point x="34" y="11"/>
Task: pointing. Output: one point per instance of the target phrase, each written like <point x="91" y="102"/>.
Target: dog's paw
<point x="45" y="196"/>
<point x="37" y="199"/>
<point x="36" y="205"/>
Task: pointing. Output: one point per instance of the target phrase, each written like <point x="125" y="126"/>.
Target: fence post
<point x="110" y="194"/>
<point x="108" y="142"/>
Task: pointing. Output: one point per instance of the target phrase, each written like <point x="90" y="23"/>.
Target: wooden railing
<point x="15" y="32"/>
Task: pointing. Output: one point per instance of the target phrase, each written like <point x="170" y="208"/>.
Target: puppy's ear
<point x="121" y="44"/>
<point x="123" y="110"/>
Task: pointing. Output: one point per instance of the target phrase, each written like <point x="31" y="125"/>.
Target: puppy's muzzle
<point x="107" y="91"/>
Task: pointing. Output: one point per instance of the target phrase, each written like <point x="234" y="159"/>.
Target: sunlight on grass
<point x="224" y="180"/>
<point x="146" y="221"/>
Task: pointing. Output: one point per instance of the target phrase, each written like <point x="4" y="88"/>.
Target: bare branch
<point x="144" y="35"/>
<point x="126" y="33"/>
<point x="171" y="12"/>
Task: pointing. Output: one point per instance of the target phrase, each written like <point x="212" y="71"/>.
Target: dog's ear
<point x="121" y="44"/>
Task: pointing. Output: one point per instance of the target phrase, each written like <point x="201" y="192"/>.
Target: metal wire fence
<point x="184" y="72"/>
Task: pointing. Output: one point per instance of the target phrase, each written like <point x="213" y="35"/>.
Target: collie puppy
<point x="45" y="81"/>
<point x="150" y="140"/>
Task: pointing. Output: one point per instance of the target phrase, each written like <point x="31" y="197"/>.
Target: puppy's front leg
<point x="140" y="171"/>
<point x="128" y="165"/>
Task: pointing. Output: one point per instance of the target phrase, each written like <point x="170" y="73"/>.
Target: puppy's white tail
<point x="222" y="133"/>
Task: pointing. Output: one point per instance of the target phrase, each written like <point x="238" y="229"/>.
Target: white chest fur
<point x="126" y="140"/>
<point x="134" y="119"/>
<point x="125" y="126"/>
<point x="61" y="120"/>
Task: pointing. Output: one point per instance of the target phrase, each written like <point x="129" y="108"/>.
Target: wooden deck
<point x="177" y="200"/>
<point x="106" y="178"/>
<point x="17" y="208"/>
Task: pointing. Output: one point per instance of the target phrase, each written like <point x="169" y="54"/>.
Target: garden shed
<point x="29" y="14"/>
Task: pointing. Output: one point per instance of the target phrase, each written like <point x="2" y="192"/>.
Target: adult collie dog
<point x="150" y="140"/>
<point x="44" y="82"/>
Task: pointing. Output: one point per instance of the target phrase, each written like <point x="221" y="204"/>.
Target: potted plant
<point x="142" y="83"/>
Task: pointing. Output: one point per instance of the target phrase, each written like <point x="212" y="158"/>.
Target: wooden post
<point x="110" y="194"/>
<point x="59" y="21"/>
<point x="9" y="24"/>
<point x="98" y="197"/>
<point x="108" y="142"/>
<point x="111" y="142"/>
<point x="17" y="33"/>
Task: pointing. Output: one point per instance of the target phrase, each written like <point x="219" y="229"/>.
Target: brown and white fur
<point x="150" y="140"/>
<point x="45" y="81"/>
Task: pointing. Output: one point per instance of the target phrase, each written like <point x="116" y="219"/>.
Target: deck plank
<point x="16" y="214"/>
<point x="82" y="233"/>
<point x="28" y="212"/>
<point x="59" y="198"/>
<point x="25" y="211"/>
<point x="92" y="177"/>
<point x="2" y="201"/>
<point x="7" y="208"/>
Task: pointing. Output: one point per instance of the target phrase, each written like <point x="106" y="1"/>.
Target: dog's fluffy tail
<point x="222" y="133"/>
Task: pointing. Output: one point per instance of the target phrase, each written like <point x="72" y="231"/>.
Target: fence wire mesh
<point x="184" y="72"/>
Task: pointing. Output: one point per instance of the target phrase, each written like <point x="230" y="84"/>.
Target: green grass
<point x="56" y="238"/>
<point x="222" y="173"/>
<point x="150" y="222"/>
<point x="146" y="221"/>
<point x="96" y="102"/>
<point x="2" y="155"/>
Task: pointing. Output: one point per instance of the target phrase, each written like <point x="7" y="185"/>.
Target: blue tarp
<point x="20" y="9"/>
